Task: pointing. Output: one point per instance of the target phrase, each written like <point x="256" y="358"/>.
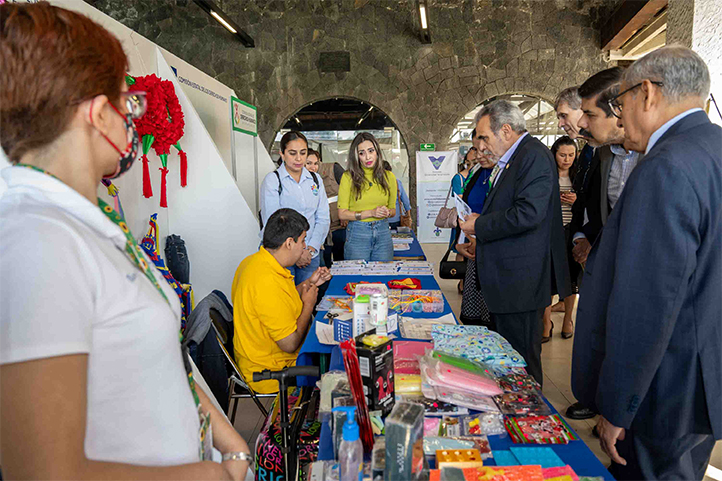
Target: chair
<point x="236" y="378"/>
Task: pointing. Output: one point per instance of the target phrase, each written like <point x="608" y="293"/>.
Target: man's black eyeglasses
<point x="614" y="105"/>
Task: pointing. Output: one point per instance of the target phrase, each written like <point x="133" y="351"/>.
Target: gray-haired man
<point x="519" y="234"/>
<point x="648" y="351"/>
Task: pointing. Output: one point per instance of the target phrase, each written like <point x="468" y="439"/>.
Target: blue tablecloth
<point x="576" y="454"/>
<point x="312" y="345"/>
<point x="415" y="252"/>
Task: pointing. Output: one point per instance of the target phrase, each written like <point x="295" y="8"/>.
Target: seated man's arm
<point x="293" y="341"/>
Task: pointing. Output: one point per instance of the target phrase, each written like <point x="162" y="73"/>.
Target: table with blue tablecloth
<point x="576" y="454"/>
<point x="415" y="251"/>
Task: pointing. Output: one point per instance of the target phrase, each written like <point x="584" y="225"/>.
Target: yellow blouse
<point x="372" y="196"/>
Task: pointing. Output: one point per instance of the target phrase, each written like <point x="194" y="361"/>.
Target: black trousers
<point x="684" y="458"/>
<point x="524" y="332"/>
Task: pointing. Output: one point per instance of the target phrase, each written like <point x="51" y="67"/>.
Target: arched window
<point x="541" y="121"/>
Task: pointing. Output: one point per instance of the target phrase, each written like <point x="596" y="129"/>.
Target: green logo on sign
<point x="428" y="147"/>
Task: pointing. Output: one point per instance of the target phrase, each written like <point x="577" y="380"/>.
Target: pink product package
<point x="455" y="377"/>
<point x="406" y="356"/>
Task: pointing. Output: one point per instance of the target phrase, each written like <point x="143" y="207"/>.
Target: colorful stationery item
<point x="518" y="383"/>
<point x="543" y="456"/>
<point x="558" y="473"/>
<point x="539" y="430"/>
<point x="522" y="404"/>
<point x="408" y="283"/>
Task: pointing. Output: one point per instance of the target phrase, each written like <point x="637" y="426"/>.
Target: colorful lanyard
<point x="135" y="254"/>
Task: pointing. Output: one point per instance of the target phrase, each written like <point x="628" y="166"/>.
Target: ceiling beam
<point x="631" y="16"/>
<point x="648" y="33"/>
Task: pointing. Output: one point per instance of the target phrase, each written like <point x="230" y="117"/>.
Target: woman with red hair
<point x="95" y="382"/>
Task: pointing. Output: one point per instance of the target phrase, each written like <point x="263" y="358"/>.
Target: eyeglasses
<point x="135" y="103"/>
<point x="614" y="104"/>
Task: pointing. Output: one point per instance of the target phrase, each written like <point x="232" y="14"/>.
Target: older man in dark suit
<point x="648" y="350"/>
<point x="519" y="234"/>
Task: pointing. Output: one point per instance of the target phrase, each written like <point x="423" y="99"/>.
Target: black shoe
<point x="579" y="411"/>
<point x="548" y="338"/>
<point x="595" y="432"/>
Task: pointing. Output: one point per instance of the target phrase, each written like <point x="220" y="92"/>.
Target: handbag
<point x="405" y="217"/>
<point x="451" y="269"/>
<point x="447" y="218"/>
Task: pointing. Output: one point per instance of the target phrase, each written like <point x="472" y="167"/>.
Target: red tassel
<point x="147" y="188"/>
<point x="163" y="199"/>
<point x="184" y="168"/>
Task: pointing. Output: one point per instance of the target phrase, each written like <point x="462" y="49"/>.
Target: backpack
<point x="280" y="189"/>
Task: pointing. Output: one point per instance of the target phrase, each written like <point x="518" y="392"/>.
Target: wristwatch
<point x="237" y="456"/>
<point x="358" y="215"/>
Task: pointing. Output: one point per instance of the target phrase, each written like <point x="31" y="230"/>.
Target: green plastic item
<point x="461" y="363"/>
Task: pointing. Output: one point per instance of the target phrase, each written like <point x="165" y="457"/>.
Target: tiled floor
<point x="556" y="359"/>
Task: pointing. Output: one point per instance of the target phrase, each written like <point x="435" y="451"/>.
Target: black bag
<point x="451" y="269"/>
<point x="176" y="257"/>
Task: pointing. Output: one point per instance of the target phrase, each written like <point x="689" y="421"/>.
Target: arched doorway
<point x="331" y="125"/>
<point x="541" y="121"/>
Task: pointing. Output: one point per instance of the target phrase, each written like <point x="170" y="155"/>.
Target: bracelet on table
<point x="237" y="456"/>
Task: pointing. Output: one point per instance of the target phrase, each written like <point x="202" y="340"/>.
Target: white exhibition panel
<point x="434" y="171"/>
<point x="210" y="214"/>
<point x="246" y="168"/>
<point x="264" y="162"/>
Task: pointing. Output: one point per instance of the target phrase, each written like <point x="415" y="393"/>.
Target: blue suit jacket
<point x="648" y="344"/>
<point x="520" y="251"/>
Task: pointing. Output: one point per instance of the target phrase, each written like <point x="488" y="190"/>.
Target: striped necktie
<point x="492" y="177"/>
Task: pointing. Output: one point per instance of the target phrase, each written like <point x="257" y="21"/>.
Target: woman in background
<point x="87" y="320"/>
<point x="402" y="200"/>
<point x="313" y="160"/>
<point x="473" y="306"/>
<point x="564" y="151"/>
<point x="293" y="186"/>
<point x="367" y="199"/>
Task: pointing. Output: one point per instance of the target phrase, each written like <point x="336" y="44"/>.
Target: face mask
<point x="127" y="156"/>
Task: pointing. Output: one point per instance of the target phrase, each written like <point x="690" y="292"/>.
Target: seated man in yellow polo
<point x="271" y="315"/>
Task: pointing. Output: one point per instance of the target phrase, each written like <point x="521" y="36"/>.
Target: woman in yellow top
<point x="367" y="199"/>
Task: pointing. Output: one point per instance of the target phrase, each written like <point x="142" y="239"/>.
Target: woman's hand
<point x="381" y="212"/>
<point x="569" y="197"/>
<point x="467" y="250"/>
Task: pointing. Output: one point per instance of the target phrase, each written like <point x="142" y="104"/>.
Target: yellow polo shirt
<point x="372" y="196"/>
<point x="266" y="306"/>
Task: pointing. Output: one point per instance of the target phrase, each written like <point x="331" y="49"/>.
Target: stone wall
<point x="479" y="49"/>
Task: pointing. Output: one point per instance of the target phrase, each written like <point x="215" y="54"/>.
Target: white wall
<point x="211" y="214"/>
<point x="707" y="42"/>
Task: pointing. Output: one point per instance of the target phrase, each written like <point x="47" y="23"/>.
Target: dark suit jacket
<point x="520" y="236"/>
<point x="648" y="344"/>
<point x="594" y="199"/>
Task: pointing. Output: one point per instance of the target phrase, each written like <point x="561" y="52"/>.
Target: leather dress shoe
<point x="579" y="411"/>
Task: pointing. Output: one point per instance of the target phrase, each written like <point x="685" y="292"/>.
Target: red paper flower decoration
<point x="161" y="127"/>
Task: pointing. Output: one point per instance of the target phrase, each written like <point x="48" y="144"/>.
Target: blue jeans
<point x="370" y="241"/>
<point x="300" y="274"/>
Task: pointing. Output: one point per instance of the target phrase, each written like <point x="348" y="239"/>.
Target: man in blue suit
<point x="648" y="350"/>
<point x="519" y="234"/>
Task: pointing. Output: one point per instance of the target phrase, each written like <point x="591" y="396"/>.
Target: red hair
<point x="52" y="59"/>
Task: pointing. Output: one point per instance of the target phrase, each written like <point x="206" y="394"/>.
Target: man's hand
<point x="305" y="259"/>
<point x="608" y="435"/>
<point x="568" y="197"/>
<point x="581" y="250"/>
<point x="309" y="293"/>
<point x="381" y="212"/>
<point x="468" y="225"/>
<point x="321" y="275"/>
